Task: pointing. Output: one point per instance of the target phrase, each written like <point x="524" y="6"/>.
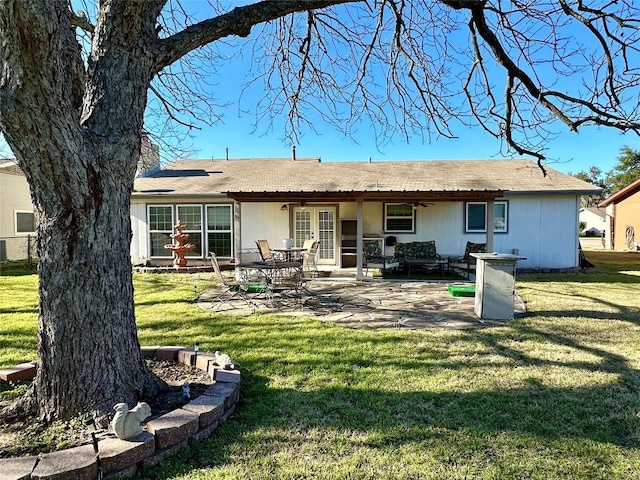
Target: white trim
<point x="496" y="203"/>
<point x="151" y="231"/>
<point x="15" y="223"/>
<point x="390" y="217"/>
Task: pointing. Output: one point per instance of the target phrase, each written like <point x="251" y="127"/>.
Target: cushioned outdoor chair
<point x="467" y="263"/>
<point x="373" y="257"/>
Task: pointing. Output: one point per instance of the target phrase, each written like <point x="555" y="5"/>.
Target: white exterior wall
<point x="592" y="221"/>
<point x="543" y="229"/>
<point x="14" y="197"/>
<point x="263" y="221"/>
<point x="140" y="232"/>
<point x="259" y="221"/>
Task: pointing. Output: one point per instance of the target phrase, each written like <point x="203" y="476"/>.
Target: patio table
<point x="280" y="276"/>
<point x="438" y="264"/>
<point x="290" y="254"/>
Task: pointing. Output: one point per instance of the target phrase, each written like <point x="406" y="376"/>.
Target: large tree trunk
<point x="89" y="356"/>
<point x="76" y="135"/>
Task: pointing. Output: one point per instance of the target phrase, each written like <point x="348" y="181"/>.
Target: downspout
<point x="359" y="240"/>
<point x="237" y="237"/>
<point x="489" y="239"/>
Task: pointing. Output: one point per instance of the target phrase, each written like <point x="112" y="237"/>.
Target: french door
<point x="316" y="223"/>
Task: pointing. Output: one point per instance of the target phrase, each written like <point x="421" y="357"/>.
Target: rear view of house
<point x="229" y="204"/>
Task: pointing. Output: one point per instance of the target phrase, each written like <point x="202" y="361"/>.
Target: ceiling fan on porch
<point x="419" y="204"/>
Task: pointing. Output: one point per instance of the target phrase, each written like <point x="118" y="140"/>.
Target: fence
<point x="18" y="248"/>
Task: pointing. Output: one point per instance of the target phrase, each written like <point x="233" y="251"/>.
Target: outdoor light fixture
<point x="91" y="427"/>
<point x="303" y="205"/>
<point x="196" y="348"/>
<point x="284" y="207"/>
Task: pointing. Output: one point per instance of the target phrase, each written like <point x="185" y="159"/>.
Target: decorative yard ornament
<point x="186" y="390"/>
<point x="128" y="423"/>
<point x="180" y="248"/>
<point x="224" y="361"/>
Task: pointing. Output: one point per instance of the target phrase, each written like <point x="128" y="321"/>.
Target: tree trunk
<point x="76" y="135"/>
<point x="89" y="356"/>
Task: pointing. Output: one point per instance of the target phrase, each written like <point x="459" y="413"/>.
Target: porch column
<point x="237" y="237"/>
<point x="490" y="205"/>
<point x="359" y="240"/>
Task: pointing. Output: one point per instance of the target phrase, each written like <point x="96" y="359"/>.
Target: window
<point x="160" y="229"/>
<point x="191" y="216"/>
<point x="215" y="229"/>
<point x="25" y="223"/>
<point x="399" y="217"/>
<point x="219" y="233"/>
<point x="476" y="215"/>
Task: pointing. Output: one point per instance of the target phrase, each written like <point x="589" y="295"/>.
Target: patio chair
<point x="309" y="258"/>
<point x="467" y="263"/>
<point x="232" y="290"/>
<point x="374" y="258"/>
<point x="265" y="251"/>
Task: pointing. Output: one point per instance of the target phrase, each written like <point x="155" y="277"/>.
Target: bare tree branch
<point x="238" y="22"/>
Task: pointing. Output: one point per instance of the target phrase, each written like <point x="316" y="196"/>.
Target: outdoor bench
<point x="419" y="254"/>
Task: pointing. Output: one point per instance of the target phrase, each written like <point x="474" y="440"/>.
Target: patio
<point x="369" y="304"/>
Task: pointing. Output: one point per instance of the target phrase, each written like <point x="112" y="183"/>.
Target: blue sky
<point x="568" y="152"/>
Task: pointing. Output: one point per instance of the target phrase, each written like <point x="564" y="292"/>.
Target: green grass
<point x="555" y="394"/>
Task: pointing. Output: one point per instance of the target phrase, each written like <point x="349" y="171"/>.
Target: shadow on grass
<point x="454" y="422"/>
<point x="345" y="408"/>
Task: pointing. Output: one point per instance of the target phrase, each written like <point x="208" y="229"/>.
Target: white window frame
<point x="484" y="229"/>
<point x="205" y="224"/>
<point x="150" y="232"/>
<point x="388" y="217"/>
<point x="15" y="222"/>
<point x="192" y="232"/>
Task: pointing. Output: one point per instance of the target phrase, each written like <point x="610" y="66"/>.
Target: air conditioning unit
<point x="3" y="250"/>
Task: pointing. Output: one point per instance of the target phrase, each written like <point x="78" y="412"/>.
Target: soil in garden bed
<point x="26" y="436"/>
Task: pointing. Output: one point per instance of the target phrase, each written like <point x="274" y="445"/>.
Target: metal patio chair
<point x="232" y="290"/>
<point x="310" y="257"/>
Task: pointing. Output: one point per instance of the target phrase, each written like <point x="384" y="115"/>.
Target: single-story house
<point x="593" y="220"/>
<point x="228" y="204"/>
<point x="17" y="221"/>
<point x="623" y="216"/>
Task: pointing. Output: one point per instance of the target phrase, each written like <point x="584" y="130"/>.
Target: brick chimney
<point x="149" y="161"/>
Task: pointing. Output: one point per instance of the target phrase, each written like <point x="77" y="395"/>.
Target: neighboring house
<point x="17" y="220"/>
<point x="594" y="221"/>
<point x="228" y="204"/>
<point x="623" y="218"/>
<point x="17" y="223"/>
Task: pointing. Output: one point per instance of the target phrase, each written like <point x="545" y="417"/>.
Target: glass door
<point x="317" y="223"/>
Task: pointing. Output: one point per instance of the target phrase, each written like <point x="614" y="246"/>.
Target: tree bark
<point x="77" y="138"/>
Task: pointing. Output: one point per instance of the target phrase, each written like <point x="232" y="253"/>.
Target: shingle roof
<point x="279" y="176"/>
<point x="10" y="167"/>
<point x="621" y="194"/>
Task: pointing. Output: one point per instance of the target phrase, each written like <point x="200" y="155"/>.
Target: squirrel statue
<point x="128" y="423"/>
<point x="224" y="361"/>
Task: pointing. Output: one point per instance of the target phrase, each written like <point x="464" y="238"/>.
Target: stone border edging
<point x="164" y="435"/>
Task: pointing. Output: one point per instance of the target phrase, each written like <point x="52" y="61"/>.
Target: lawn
<point x="553" y="395"/>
